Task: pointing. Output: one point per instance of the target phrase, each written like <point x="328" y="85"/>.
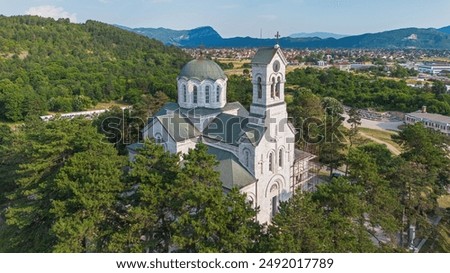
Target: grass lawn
<point x="444" y="201"/>
<point x="107" y="105"/>
<point x="238" y="69"/>
<point x="384" y="136"/>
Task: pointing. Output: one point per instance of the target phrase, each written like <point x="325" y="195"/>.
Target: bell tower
<point x="268" y="78"/>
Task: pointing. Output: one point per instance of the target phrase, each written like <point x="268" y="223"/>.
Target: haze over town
<point x="246" y="18"/>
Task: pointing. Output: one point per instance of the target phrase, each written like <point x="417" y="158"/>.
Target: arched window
<point x="280" y="158"/>
<point x="277" y="89"/>
<point x="274" y="200"/>
<point x="184" y="93"/>
<point x="218" y="94"/>
<point x="259" y="88"/>
<point x="272" y="89"/>
<point x="207" y="94"/>
<point x="271" y="162"/>
<point x="247" y="158"/>
<point x="195" y="94"/>
<point x="274" y="205"/>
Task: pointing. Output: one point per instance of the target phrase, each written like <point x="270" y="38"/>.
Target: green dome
<point x="202" y="69"/>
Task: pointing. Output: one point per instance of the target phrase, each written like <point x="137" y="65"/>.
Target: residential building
<point x="433" y="121"/>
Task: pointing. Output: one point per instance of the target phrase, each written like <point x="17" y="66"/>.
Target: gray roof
<point x="253" y="133"/>
<point x="431" y="117"/>
<point x="199" y="111"/>
<point x="226" y="128"/>
<point x="232" y="173"/>
<point x="170" y="106"/>
<point x="236" y="105"/>
<point x="135" y="146"/>
<point x="233" y="130"/>
<point x="178" y="126"/>
<point x="202" y="69"/>
<point x="264" y="55"/>
<point x="302" y="155"/>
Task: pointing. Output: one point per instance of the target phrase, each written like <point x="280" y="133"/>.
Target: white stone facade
<point x="207" y="93"/>
<point x="263" y="146"/>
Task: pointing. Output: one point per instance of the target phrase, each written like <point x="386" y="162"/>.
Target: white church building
<point x="256" y="150"/>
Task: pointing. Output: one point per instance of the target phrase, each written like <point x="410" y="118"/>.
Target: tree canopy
<point x="362" y="91"/>
<point x="55" y="65"/>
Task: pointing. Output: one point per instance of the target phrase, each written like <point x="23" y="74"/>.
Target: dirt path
<point x="377" y="126"/>
<point x="388" y="145"/>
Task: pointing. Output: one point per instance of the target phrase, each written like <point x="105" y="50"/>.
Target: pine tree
<point x="300" y="226"/>
<point x="147" y="210"/>
<point x="344" y="210"/>
<point x="48" y="148"/>
<point x="206" y="220"/>
<point x="421" y="175"/>
<point x="380" y="205"/>
<point x="87" y="189"/>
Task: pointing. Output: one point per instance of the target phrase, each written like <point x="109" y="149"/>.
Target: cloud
<point x="160" y="1"/>
<point x="230" y="6"/>
<point x="268" y="17"/>
<point x="52" y="12"/>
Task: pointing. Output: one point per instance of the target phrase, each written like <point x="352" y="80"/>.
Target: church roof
<point x="178" y="126"/>
<point x="170" y="106"/>
<point x="241" y="111"/>
<point x="264" y="55"/>
<point x="226" y="128"/>
<point x="302" y="155"/>
<point x="232" y="173"/>
<point x="202" y="69"/>
<point x="253" y="133"/>
<point x="234" y="130"/>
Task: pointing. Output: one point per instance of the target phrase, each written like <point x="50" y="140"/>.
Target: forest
<point x="363" y="91"/>
<point x="66" y="188"/>
<point x="58" y="66"/>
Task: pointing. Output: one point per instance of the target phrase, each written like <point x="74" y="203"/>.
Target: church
<point x="256" y="148"/>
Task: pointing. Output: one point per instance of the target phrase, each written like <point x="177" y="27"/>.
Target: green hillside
<point x="48" y="65"/>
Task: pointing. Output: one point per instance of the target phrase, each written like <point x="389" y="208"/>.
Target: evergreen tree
<point x="331" y="155"/>
<point x="48" y="148"/>
<point x="206" y="220"/>
<point x="354" y="119"/>
<point x="307" y="112"/>
<point x="146" y="211"/>
<point x="344" y="210"/>
<point x="300" y="226"/>
<point x="379" y="200"/>
<point x="87" y="189"/>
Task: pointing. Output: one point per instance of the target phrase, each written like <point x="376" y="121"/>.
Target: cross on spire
<point x="277" y="36"/>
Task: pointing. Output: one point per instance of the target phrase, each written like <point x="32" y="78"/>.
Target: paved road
<point x="378" y="125"/>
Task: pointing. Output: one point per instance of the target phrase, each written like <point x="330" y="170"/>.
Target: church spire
<point x="268" y="78"/>
<point x="277" y="45"/>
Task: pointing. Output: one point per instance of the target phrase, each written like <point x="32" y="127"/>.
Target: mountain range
<point x="420" y="38"/>
<point x="321" y="35"/>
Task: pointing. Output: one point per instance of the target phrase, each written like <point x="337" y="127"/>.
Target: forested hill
<point x="48" y="65"/>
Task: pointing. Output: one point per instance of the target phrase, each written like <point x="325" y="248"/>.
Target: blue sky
<point x="246" y="17"/>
